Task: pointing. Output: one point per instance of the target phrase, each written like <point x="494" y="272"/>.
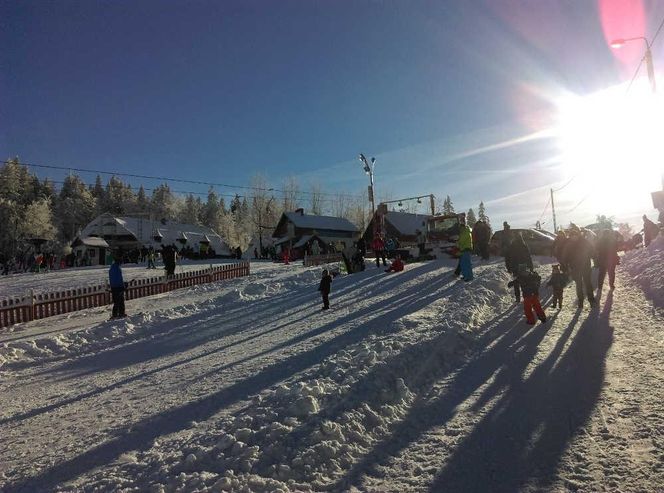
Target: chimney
<point x="300" y="211"/>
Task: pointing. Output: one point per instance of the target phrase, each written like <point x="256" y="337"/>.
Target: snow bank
<point x="303" y="434"/>
<point x="646" y="268"/>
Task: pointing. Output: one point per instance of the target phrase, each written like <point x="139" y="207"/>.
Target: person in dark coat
<point x="505" y="240"/>
<point x="530" y="283"/>
<point x="117" y="288"/>
<point x="378" y="247"/>
<point x="362" y="247"/>
<point x="169" y="257"/>
<point x="324" y="287"/>
<point x="517" y="254"/>
<point x="577" y="254"/>
<point x="558" y="247"/>
<point x="608" y="245"/>
<point x="482" y="235"/>
<point x="557" y="282"/>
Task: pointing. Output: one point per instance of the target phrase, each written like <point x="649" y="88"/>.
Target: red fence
<point x="35" y="306"/>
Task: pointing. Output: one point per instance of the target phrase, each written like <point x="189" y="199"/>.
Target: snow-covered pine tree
<point x="448" y="207"/>
<point x="470" y="217"/>
<point x="481" y="214"/>
<point x="74" y="207"/>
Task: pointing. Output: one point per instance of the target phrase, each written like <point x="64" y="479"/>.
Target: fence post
<point x="31" y="309"/>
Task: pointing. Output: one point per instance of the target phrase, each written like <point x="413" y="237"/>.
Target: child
<point x="529" y="281"/>
<point x="396" y="265"/>
<point x="324" y="288"/>
<point x="557" y="282"/>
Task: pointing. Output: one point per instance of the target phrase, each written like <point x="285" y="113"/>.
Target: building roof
<point x="91" y="241"/>
<point x="145" y="230"/>
<point x="407" y="223"/>
<point x="311" y="221"/>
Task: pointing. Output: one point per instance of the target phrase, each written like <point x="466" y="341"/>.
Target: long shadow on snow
<point x="425" y="414"/>
<point x="401" y="298"/>
<point x="140" y="435"/>
<point x="113" y="354"/>
<point x="523" y="437"/>
<point x="420" y="365"/>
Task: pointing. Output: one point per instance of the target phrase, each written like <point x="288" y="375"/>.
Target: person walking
<point x="325" y="287"/>
<point x="578" y="255"/>
<point x="465" y="245"/>
<point x="150" y="256"/>
<point x="607" y="258"/>
<point x="516" y="255"/>
<point x="378" y="247"/>
<point x="117" y="288"/>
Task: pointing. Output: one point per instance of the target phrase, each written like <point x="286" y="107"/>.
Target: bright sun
<point x="613" y="143"/>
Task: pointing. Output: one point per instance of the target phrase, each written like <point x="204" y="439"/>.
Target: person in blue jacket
<point x="117" y="288"/>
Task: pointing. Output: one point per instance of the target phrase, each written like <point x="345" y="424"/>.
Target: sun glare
<point x="612" y="141"/>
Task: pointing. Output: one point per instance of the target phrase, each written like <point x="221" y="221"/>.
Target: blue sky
<point x="220" y="90"/>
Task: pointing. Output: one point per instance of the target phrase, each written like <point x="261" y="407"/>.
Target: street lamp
<point x="368" y="169"/>
<point x="620" y="42"/>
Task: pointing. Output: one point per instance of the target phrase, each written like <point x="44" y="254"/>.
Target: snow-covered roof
<point x="145" y="230"/>
<point x="93" y="241"/>
<point x="320" y="222"/>
<point x="407" y="223"/>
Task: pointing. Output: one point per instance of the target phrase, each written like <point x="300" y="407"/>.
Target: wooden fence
<point x="328" y="258"/>
<point x="34" y="306"/>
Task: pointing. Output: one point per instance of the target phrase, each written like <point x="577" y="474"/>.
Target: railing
<point x="328" y="258"/>
<point x="34" y="306"/>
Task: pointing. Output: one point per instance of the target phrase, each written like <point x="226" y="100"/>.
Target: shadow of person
<point x="521" y="440"/>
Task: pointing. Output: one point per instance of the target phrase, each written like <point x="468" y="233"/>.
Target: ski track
<point x="411" y="382"/>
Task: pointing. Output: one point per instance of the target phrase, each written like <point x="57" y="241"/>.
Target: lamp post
<point x="368" y="169"/>
<point x="620" y="42"/>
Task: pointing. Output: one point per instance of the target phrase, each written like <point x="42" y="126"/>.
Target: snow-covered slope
<point x="645" y="267"/>
<point x="411" y="382"/>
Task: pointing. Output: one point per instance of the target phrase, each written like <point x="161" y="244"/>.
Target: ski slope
<point x="411" y="382"/>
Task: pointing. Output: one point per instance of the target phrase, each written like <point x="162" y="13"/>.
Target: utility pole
<point x="553" y="211"/>
<point x="433" y="205"/>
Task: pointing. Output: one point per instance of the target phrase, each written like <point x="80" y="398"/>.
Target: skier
<point x="396" y="265"/>
<point x="117" y="288"/>
<point x="530" y="284"/>
<point x="324" y="287"/>
<point x="517" y="254"/>
<point x="557" y="282"/>
<point x="465" y="245"/>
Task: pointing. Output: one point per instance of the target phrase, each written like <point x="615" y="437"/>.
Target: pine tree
<point x="142" y="202"/>
<point x="38" y="221"/>
<point x="74" y="207"/>
<point x="448" y="207"/>
<point x="481" y="214"/>
<point x="164" y="205"/>
<point x="470" y="217"/>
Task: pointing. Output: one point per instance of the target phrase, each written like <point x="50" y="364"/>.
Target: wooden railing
<point x="34" y="306"/>
<point x="328" y="258"/>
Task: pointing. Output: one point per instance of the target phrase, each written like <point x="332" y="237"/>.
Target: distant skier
<point x="117" y="288"/>
<point x="530" y="284"/>
<point x="557" y="282"/>
<point x="324" y="287"/>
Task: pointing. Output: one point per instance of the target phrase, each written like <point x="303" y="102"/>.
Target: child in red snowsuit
<point x="396" y="265"/>
<point x="530" y="283"/>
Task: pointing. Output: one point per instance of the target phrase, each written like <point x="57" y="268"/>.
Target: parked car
<point x="539" y="242"/>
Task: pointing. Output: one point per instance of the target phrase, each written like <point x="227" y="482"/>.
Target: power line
<point x="182" y="180"/>
<point x="545" y="208"/>
<point x="638" y="68"/>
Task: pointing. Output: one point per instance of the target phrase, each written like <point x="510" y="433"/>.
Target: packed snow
<point x="413" y="381"/>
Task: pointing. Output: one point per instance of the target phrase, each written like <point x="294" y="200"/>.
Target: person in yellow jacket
<point x="465" y="245"/>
